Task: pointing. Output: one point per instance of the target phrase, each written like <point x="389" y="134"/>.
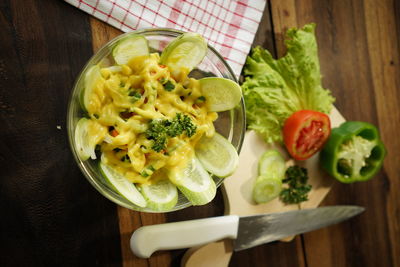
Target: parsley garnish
<point x="144" y="174"/>
<point x="135" y="94"/>
<point x="201" y="99"/>
<point x="160" y="130"/>
<point x="297" y="190"/>
<point x="169" y="86"/>
<point x="147" y="171"/>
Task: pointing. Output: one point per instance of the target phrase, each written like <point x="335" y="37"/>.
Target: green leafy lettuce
<point x="275" y="89"/>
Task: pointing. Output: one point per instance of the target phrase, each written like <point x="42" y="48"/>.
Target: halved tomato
<point x="305" y="132"/>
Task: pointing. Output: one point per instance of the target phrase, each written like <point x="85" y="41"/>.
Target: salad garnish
<point x="276" y="88"/>
<point x="297" y="188"/>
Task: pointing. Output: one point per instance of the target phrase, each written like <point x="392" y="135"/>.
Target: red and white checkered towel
<point x="228" y="25"/>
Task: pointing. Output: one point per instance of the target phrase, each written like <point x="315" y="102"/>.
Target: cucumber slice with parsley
<point x="129" y="48"/>
<point x="124" y="187"/>
<point x="195" y="183"/>
<point x="217" y="155"/>
<point x="186" y="51"/>
<point x="160" y="196"/>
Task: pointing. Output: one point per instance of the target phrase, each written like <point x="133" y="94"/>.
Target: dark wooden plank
<point x="359" y="54"/>
<point x="50" y="214"/>
<point x="42" y="217"/>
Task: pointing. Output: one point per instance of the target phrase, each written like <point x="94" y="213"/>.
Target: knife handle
<point x="148" y="239"/>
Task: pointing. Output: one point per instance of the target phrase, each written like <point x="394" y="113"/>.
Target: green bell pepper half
<point x="354" y="152"/>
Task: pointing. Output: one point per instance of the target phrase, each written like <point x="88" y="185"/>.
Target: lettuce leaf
<point x="275" y="89"/>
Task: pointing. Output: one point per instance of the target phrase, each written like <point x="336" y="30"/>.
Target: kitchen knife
<point x="248" y="231"/>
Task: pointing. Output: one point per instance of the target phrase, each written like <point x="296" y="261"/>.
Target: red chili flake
<point x="162" y="66"/>
<point x="114" y="133"/>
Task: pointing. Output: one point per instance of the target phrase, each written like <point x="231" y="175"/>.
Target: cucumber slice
<point x="186" y="51"/>
<point x="195" y="183"/>
<point x="129" y="48"/>
<point x="266" y="188"/>
<point x="217" y="155"/>
<point x="91" y="78"/>
<point x="124" y="187"/>
<point x="85" y="148"/>
<point x="272" y="164"/>
<point x="161" y="196"/>
<point x="221" y="94"/>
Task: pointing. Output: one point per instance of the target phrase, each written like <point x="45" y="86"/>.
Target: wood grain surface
<point x="359" y="55"/>
<point x="50" y="214"/>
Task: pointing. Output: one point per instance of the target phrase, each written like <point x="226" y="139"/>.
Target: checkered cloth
<point x="228" y="25"/>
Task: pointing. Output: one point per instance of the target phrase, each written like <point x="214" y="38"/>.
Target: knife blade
<point x="247" y="231"/>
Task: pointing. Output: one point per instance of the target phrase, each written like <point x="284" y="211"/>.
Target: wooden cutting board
<point x="237" y="191"/>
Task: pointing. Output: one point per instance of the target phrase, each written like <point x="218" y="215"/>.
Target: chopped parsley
<point x="144" y="174"/>
<point x="147" y="171"/>
<point x="297" y="191"/>
<point x="169" y="86"/>
<point x="135" y="94"/>
<point x="200" y="99"/>
<point x="161" y="130"/>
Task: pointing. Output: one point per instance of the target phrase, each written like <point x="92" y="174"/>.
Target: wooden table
<point x="50" y="214"/>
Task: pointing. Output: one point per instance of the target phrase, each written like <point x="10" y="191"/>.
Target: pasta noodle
<point x="123" y="103"/>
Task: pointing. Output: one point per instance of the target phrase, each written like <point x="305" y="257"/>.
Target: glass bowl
<point x="230" y="124"/>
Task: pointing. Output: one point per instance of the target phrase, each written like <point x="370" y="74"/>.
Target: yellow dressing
<point x="126" y="98"/>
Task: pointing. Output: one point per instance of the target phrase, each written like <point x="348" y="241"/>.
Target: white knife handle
<point x="148" y="239"/>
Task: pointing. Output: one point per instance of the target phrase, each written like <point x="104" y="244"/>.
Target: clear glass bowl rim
<point x="106" y="192"/>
